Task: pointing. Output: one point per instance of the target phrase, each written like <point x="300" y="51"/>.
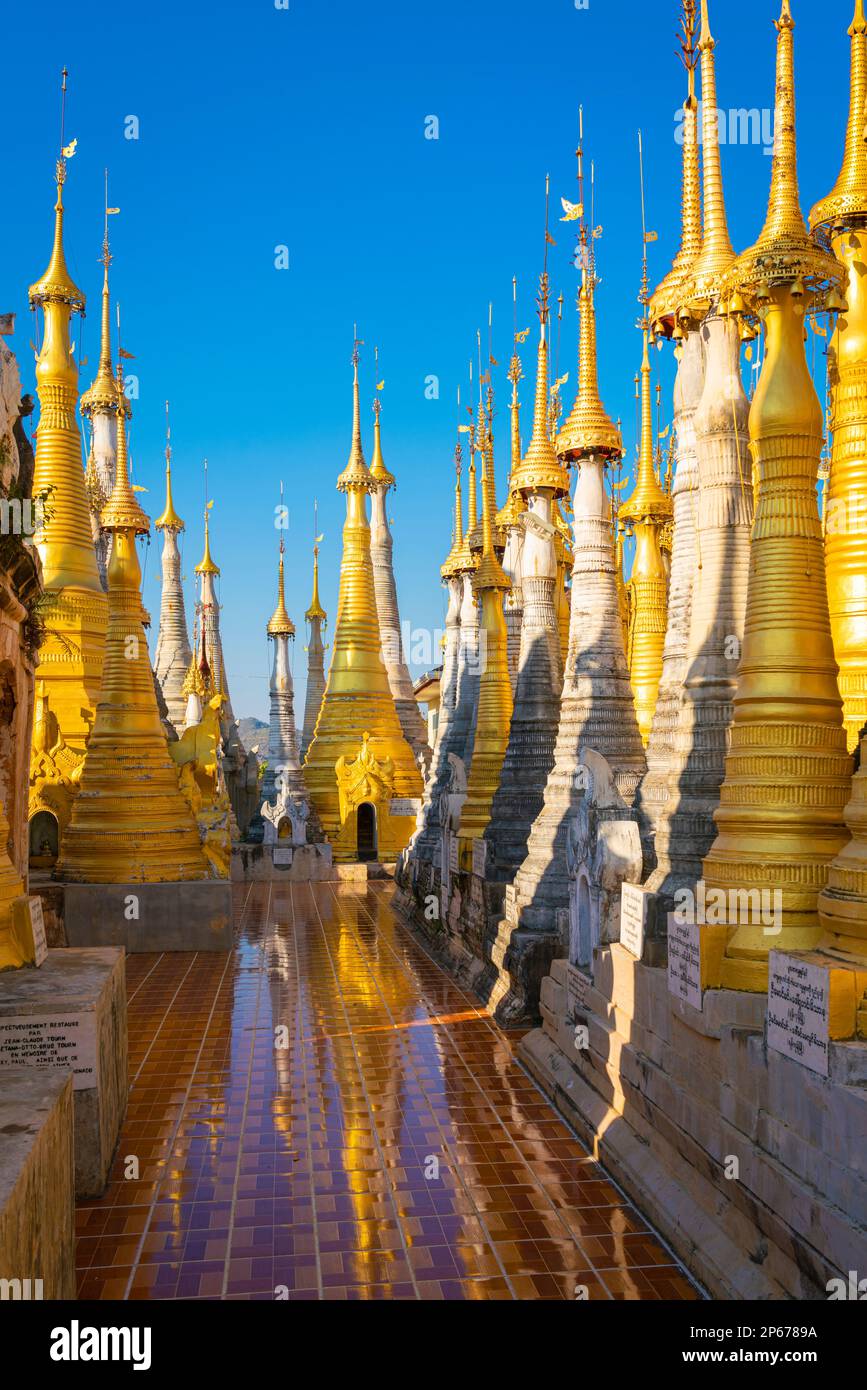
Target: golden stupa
<point x="646" y="511"/>
<point x="74" y="612"/>
<point x="358" y="761"/>
<point x="130" y="822"/>
<point x="841" y="217"/>
<point x="788" y="774"/>
<point x="493" y="714"/>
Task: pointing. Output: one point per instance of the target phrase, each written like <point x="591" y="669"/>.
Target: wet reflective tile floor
<point x="324" y="1114"/>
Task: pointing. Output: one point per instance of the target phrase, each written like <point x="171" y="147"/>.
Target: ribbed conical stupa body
<point x="722" y="521"/>
<point x="173" y="654"/>
<point x="597" y="708"/>
<point x="664" y="305"/>
<point x="316" y="618"/>
<point x="100" y="404"/>
<point x="540" y="478"/>
<point x="494" y="705"/>
<point x="74" y="612"/>
<point x="358" y="756"/>
<point x="284" y="765"/>
<point x="787" y="776"/>
<point x="842" y="216"/>
<point x="646" y="510"/>
<point x="385" y="588"/>
<point x="130" y="822"/>
<point x="448" y="737"/>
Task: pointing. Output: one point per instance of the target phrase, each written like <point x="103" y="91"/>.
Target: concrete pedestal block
<point x="193" y="916"/>
<point x="37" y="1197"/>
<point x="70" y="1015"/>
<point x="309" y="863"/>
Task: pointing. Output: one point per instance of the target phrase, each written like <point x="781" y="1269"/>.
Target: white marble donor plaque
<point x="59" y="1042"/>
<point x="282" y="855"/>
<point x="798" y="996"/>
<point x="480" y="857"/>
<point x="684" y="961"/>
<point x="633" y="916"/>
<point x="404" y="806"/>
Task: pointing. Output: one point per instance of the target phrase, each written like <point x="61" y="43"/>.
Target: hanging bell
<point x="737" y="303"/>
<point x="763" y="293"/>
<point x="797" y="290"/>
<point x="835" y="303"/>
<point x="747" y="331"/>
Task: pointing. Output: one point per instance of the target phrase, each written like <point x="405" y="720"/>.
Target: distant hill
<point x="254" y="731"/>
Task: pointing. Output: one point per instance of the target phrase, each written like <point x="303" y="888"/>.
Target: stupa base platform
<point x="252" y="863"/>
<point x="190" y="916"/>
<point x="69" y="1015"/>
<point x="732" y="1149"/>
<point x="37" y="1199"/>
<point x="462" y="920"/>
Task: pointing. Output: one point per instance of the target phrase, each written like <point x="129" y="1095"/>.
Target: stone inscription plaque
<point x="633" y="916"/>
<point x="577" y="985"/>
<point x="684" y="961"/>
<point x="798" y="999"/>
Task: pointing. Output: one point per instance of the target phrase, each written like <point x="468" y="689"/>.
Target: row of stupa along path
<point x="644" y="821"/>
<point x="641" y="820"/>
<point x="128" y="801"/>
<point x="138" y="774"/>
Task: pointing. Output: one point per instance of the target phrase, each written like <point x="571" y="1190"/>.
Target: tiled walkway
<point x="323" y="1113"/>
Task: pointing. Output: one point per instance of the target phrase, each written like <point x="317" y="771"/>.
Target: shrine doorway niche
<point x="44" y="840"/>
<point x="365" y="829"/>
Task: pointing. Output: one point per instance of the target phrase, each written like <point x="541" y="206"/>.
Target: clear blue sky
<point x="305" y="127"/>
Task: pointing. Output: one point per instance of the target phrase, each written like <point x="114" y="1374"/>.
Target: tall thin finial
<point x="669" y="296"/>
<point x="169" y="520"/>
<point x="542" y="298"/>
<point x="588" y="431"/>
<point x="716" y="253"/>
<point x="847" y="200"/>
<point x="644" y="296"/>
<point x="540" y="466"/>
<point x="63" y="76"/>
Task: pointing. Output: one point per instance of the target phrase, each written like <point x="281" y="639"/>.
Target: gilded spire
<point x="785" y="252"/>
<point x="206" y="564"/>
<point x="356" y="476"/>
<point x="315" y="610"/>
<point x="848" y="197"/>
<point x="103" y="393"/>
<point x="588" y="429"/>
<point x="472" y="501"/>
<point x="667" y="298"/>
<point x="169" y="520"/>
<point x="280" y="624"/>
<point x="122" y="511"/>
<point x="57" y="285"/>
<point x="515" y="504"/>
<point x="384" y="479"/>
<point x="490" y="573"/>
<point x="540" y="466"/>
<point x="451" y="564"/>
<point x="464" y="557"/>
<point x="648" y="500"/>
<point x="515" y="375"/>
<point x="716" y="253"/>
